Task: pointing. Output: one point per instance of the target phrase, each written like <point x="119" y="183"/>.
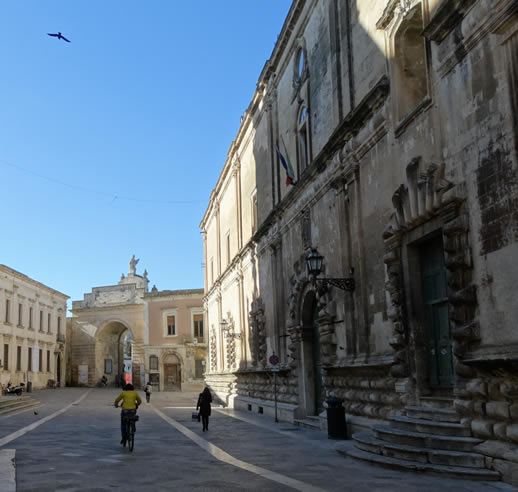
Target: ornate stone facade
<point x="399" y="118"/>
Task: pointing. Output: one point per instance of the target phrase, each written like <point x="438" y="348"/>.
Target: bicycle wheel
<point x="131" y="440"/>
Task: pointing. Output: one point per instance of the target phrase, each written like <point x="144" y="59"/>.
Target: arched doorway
<point x="113" y="353"/>
<point x="312" y="358"/>
<point x="172" y="373"/>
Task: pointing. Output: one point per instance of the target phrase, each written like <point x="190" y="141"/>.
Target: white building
<point x="32" y="329"/>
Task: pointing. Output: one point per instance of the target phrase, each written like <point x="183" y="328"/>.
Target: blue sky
<point x="142" y="104"/>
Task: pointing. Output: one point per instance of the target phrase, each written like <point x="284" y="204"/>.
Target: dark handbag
<point x="196" y="416"/>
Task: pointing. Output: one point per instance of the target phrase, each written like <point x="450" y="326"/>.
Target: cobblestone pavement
<point x="79" y="449"/>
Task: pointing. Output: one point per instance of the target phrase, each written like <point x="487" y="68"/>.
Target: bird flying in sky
<point x="59" y="36"/>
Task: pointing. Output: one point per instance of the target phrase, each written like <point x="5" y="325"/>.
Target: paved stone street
<point x="79" y="449"/>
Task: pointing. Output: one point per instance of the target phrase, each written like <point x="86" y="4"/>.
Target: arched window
<point x="301" y="63"/>
<point x="410" y="62"/>
<point x="153" y="363"/>
<point x="303" y="138"/>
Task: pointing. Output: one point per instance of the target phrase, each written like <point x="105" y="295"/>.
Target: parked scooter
<point x="13" y="390"/>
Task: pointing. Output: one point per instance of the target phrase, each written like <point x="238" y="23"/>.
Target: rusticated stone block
<point x="497" y="409"/>
<point x="494" y="390"/>
<point x="499" y="430"/>
<point x="477" y="387"/>
<point x="464" y="407"/>
<point x="482" y="428"/>
<point x="513" y="411"/>
<point x="512" y="432"/>
<point x="479" y="407"/>
<point x="508" y="470"/>
<point x="509" y="389"/>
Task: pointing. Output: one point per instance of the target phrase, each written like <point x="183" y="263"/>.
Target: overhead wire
<point x="114" y="196"/>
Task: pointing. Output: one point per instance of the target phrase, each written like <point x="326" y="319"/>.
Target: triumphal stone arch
<point x="106" y="333"/>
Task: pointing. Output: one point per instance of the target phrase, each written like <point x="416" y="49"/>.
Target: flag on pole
<point x="286" y="164"/>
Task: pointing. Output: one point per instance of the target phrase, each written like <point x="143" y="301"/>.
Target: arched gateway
<point x="107" y="333"/>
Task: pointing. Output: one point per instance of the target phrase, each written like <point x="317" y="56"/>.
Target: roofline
<point x="266" y="72"/>
<point x="25" y="278"/>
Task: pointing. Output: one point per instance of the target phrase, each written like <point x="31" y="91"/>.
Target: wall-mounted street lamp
<point x="228" y="330"/>
<point x="314" y="262"/>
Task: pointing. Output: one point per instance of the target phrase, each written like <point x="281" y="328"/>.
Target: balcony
<point x="60" y="337"/>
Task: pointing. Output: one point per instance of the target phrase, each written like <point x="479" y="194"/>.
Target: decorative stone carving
<point x="213" y="352"/>
<point x="256" y="320"/>
<point x="230" y="344"/>
<point x="306" y="228"/>
<point x="426" y="195"/>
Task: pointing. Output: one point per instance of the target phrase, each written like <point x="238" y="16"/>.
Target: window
<point x="41" y="320"/>
<point x="20" y="314"/>
<point x="107" y="366"/>
<point x="7" y="310"/>
<point x="254" y="211"/>
<point x="18" y="358"/>
<point x="59" y="325"/>
<point x="153" y="363"/>
<point x="228" y="247"/>
<point x="301" y="63"/>
<point x="303" y="141"/>
<point x="48" y="360"/>
<point x="170" y="323"/>
<point x="410" y="63"/>
<point x="48" y="324"/>
<point x="29" y="359"/>
<point x="212" y="270"/>
<point x="6" y="356"/>
<point x="197" y="320"/>
<point x="30" y="318"/>
<point x="40" y="360"/>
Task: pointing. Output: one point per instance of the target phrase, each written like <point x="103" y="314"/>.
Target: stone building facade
<point x="399" y="119"/>
<point x="125" y="331"/>
<point x="175" y="349"/>
<point x="32" y="329"/>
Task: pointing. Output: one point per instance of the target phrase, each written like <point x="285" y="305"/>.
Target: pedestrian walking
<point x="148" y="389"/>
<point x="204" y="401"/>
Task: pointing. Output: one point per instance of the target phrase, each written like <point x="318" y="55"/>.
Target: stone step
<point x="442" y="470"/>
<point x="431" y="413"/>
<point x="15" y="402"/>
<point x="436" y="401"/>
<point x="9" y="400"/>
<point x="422" y="440"/>
<point x="308" y="423"/>
<point x="367" y="442"/>
<point x="429" y="426"/>
<point x="18" y="408"/>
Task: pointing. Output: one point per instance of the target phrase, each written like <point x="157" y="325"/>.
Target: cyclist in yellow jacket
<point x="130" y="402"/>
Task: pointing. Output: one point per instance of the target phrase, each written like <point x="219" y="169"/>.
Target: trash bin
<point x="29" y="387"/>
<point x="336" y="428"/>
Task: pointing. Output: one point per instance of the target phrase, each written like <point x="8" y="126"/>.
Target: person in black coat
<point x="204" y="401"/>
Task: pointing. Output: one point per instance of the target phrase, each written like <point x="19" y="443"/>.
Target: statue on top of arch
<point x="132" y="264"/>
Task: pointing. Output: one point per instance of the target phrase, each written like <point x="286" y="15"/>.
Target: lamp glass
<point x="314" y="262"/>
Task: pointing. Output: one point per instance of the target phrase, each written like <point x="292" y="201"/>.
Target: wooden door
<point x="172" y="377"/>
<point x="437" y="322"/>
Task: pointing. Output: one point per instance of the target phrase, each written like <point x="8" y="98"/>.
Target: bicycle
<point x="129" y="421"/>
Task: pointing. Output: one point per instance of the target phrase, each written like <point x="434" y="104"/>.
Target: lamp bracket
<point x="341" y="283"/>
